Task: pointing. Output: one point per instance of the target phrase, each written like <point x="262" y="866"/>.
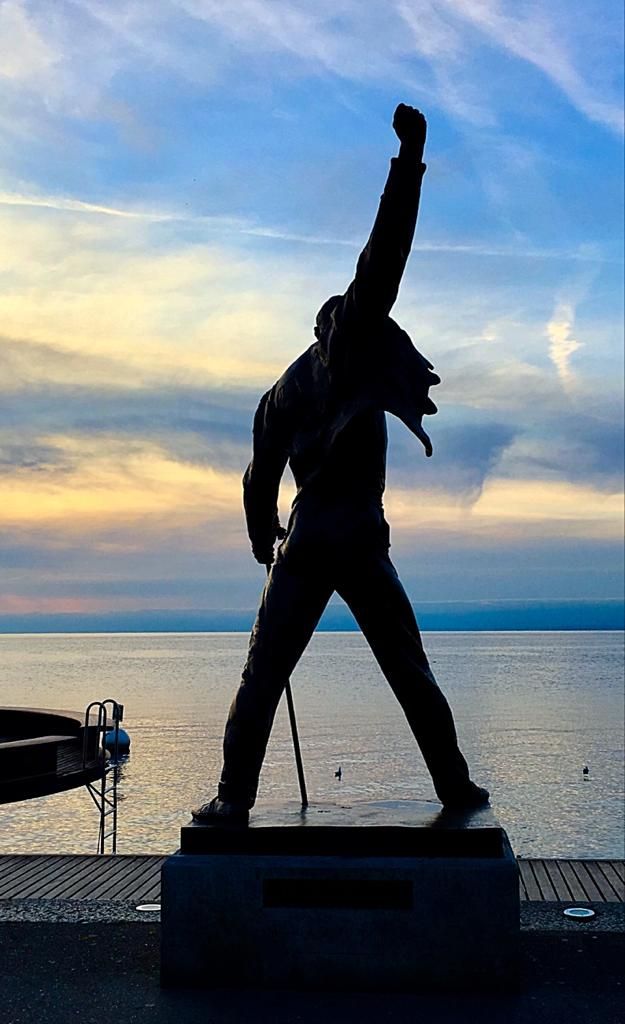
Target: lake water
<point x="532" y="709"/>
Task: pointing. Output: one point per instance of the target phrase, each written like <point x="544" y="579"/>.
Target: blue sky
<point x="183" y="183"/>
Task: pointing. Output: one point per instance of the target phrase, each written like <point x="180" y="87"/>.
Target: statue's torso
<point x="337" y="453"/>
<point x="335" y="441"/>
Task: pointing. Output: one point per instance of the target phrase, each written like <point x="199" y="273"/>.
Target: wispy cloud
<point x="233" y="226"/>
<point x="25" y="53"/>
<point x="170" y="225"/>
<point x="72" y="61"/>
<point x="561" y="327"/>
<point x="541" y="36"/>
<point x="444" y="36"/>
<point x="562" y="344"/>
<point x="78" y="206"/>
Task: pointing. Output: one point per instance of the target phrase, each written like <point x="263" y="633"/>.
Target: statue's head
<point x="387" y="372"/>
<point x="324" y="319"/>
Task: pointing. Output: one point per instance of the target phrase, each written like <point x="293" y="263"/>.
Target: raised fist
<point x="410" y="126"/>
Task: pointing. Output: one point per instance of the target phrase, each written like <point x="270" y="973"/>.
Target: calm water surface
<point x="531" y="708"/>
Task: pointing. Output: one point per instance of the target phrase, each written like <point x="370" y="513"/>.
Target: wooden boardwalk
<point x="137" y="879"/>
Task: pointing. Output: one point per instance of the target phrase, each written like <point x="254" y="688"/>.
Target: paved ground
<point x="543" y="916"/>
<point x="60" y="972"/>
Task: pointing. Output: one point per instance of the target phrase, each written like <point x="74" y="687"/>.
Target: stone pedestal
<point x="395" y="895"/>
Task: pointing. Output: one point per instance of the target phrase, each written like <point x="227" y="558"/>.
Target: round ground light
<point x="579" y="913"/>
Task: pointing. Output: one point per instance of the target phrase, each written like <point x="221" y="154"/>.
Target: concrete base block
<point x="371" y="896"/>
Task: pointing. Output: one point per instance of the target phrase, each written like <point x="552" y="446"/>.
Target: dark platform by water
<point x="45" y="751"/>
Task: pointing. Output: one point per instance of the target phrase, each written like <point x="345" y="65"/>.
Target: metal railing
<point x="103" y="790"/>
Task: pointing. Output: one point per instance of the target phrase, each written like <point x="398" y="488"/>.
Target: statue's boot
<point x="469" y="798"/>
<point x="221" y="813"/>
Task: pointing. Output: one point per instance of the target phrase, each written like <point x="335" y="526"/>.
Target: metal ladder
<point x="103" y="790"/>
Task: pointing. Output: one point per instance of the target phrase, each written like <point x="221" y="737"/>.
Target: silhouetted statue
<point x="326" y="417"/>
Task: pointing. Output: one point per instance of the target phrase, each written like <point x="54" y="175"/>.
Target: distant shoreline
<point x="445" y="617"/>
<point x="339" y="632"/>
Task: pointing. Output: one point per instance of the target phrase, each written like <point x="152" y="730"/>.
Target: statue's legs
<point x="291" y="606"/>
<point x="372" y="590"/>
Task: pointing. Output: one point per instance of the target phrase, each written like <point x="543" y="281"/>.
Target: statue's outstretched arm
<point x="381" y="264"/>
<point x="261" y="482"/>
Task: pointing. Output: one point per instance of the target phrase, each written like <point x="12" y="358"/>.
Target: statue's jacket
<point x="325" y="415"/>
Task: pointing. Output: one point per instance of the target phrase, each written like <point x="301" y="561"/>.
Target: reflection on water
<point x="532" y="710"/>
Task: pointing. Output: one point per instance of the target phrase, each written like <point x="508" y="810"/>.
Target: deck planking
<point x="137" y="878"/>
